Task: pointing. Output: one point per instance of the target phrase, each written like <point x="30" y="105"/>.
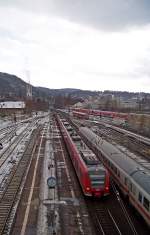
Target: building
<point x="129" y="104"/>
<point x="12" y="106"/>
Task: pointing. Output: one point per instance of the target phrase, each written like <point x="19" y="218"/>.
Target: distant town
<point x="14" y="89"/>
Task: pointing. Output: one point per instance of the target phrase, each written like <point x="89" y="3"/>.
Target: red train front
<point x="93" y="177"/>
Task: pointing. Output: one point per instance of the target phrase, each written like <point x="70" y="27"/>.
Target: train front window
<point x="97" y="178"/>
<point x="98" y="182"/>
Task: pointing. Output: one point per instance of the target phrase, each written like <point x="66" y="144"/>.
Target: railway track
<point x="102" y="220"/>
<point x="8" y="132"/>
<point x="9" y="150"/>
<point x="12" y="174"/>
<point x="10" y="157"/>
<point x="7" y="200"/>
<point x="110" y="216"/>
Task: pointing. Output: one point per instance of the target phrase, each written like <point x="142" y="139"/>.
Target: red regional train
<point x="80" y="115"/>
<point x="93" y="177"/>
<point x="102" y="113"/>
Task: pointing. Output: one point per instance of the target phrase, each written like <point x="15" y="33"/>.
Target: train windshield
<point x="97" y="177"/>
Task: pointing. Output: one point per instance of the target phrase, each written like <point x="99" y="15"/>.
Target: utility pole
<point x="28" y="86"/>
<point x="28" y="92"/>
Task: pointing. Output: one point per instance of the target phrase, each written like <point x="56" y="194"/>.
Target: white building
<point x="12" y="105"/>
<point x="78" y="105"/>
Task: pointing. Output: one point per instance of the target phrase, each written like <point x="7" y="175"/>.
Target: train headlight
<point x="87" y="188"/>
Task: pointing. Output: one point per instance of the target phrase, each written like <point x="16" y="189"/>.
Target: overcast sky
<point x="87" y="44"/>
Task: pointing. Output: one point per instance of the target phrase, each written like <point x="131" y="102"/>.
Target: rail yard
<point x="64" y="175"/>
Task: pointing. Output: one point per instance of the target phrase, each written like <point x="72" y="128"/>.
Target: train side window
<point x="1" y="146"/>
<point x="140" y="197"/>
<point x="146" y="203"/>
<point x="133" y="189"/>
<point x="111" y="165"/>
<point x="115" y="169"/>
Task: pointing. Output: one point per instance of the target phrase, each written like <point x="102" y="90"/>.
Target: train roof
<point x="140" y="138"/>
<point x="112" y="153"/>
<point x="142" y="179"/>
<point x="89" y="157"/>
<point x="79" y="112"/>
<point x="86" y="154"/>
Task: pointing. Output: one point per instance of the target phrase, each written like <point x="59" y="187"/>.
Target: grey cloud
<point x="107" y="14"/>
<point x="102" y="14"/>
